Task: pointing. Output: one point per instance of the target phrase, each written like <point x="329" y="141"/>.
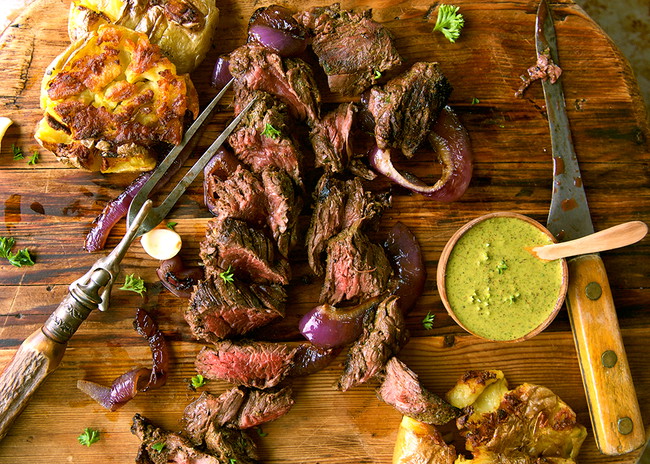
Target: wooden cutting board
<point x="48" y="209"/>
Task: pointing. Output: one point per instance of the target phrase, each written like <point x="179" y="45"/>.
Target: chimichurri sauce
<point x="496" y="288"/>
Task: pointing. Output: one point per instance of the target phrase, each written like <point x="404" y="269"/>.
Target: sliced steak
<point x="231" y="244"/>
<point x="262" y="139"/>
<point x="406" y="107"/>
<point x="402" y="390"/>
<point x="356" y="269"/>
<point x="284" y="207"/>
<point x="230" y="445"/>
<point x="219" y="309"/>
<point x="338" y="205"/>
<point x="239" y="407"/>
<point x="257" y="68"/>
<point x="352" y="49"/>
<point x="384" y="335"/>
<point x="330" y="139"/>
<point x="240" y="195"/>
<point x="253" y="364"/>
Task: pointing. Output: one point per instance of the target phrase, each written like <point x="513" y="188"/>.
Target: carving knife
<point x="613" y="404"/>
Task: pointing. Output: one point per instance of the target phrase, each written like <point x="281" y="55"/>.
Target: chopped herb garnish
<point x="34" y="158"/>
<point x="427" y="322"/>
<point x="158" y="446"/>
<point x="449" y="22"/>
<point x="261" y="432"/>
<point x="198" y="381"/>
<point x="227" y="275"/>
<point x="232" y="461"/>
<point x="20" y="259"/>
<point x="171" y="225"/>
<point x="17" y="151"/>
<point x="377" y="74"/>
<point x="475" y="101"/>
<point x="270" y="131"/>
<point x="89" y="437"/>
<point x="134" y="284"/>
<point x="513" y="298"/>
<point x="502" y="266"/>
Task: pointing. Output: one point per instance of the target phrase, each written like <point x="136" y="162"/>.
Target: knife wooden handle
<point x="35" y="359"/>
<point x="612" y="400"/>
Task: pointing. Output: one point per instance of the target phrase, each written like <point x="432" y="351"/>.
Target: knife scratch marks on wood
<point x="16" y="65"/>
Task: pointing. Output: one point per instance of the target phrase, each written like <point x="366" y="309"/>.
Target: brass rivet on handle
<point x="609" y="358"/>
<point x="593" y="290"/>
<point x="625" y="425"/>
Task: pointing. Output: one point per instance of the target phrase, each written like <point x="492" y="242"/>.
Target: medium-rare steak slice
<point x="262" y="139"/>
<point x="239" y="407"/>
<point x="292" y="81"/>
<point x="231" y="244"/>
<point x="338" y="205"/>
<point x="219" y="308"/>
<point x="406" y="107"/>
<point x="222" y="447"/>
<point x="330" y="138"/>
<point x="253" y="364"/>
<point x="284" y="208"/>
<point x="352" y="49"/>
<point x="356" y="269"/>
<point x="384" y="335"/>
<point x="402" y="390"/>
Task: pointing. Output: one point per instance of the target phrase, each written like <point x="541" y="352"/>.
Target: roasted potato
<point x="110" y="99"/>
<point x="420" y="443"/>
<point x="182" y="28"/>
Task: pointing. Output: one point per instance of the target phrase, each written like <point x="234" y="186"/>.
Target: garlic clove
<point x="4" y="125"/>
<point x="161" y="243"/>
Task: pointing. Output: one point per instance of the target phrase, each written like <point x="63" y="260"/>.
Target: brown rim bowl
<point x="441" y="278"/>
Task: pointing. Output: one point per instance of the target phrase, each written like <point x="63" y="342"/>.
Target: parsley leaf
<point x="227" y="275"/>
<point x="377" y="74"/>
<point x="171" y="225"/>
<point x="475" y="101"/>
<point x="134" y="284"/>
<point x="198" y="381"/>
<point x="20" y="259"/>
<point x="449" y="22"/>
<point x="17" y="152"/>
<point x="261" y="432"/>
<point x="89" y="437"/>
<point x="6" y="243"/>
<point x="232" y="461"/>
<point x="270" y="131"/>
<point x="427" y="322"/>
<point x="502" y="266"/>
<point x="34" y="158"/>
<point x="158" y="446"/>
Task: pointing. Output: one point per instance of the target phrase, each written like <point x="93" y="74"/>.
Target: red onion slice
<point x="221" y="73"/>
<point x="310" y="359"/>
<point x="275" y="28"/>
<point x="451" y="141"/>
<point x="405" y="253"/>
<point x="177" y="278"/>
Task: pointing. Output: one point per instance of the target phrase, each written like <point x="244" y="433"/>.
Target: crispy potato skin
<point x="420" y="443"/>
<point x="110" y="99"/>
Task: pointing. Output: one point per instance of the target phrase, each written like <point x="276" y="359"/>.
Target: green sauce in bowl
<point x="493" y="286"/>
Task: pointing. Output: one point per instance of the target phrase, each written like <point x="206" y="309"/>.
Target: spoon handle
<point x="608" y="239"/>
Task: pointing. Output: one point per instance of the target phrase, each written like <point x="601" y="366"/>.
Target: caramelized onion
<point x="310" y="359"/>
<point x="275" y="28"/>
<point x="405" y="254"/>
<point x="451" y="142"/>
<point x="177" y="278"/>
<point x="125" y="387"/>
<point x="221" y="73"/>
<point x="327" y="326"/>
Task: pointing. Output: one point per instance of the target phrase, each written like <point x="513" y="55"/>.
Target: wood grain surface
<point x="48" y="208"/>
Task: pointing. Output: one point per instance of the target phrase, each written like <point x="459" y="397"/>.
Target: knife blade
<point x="611" y="397"/>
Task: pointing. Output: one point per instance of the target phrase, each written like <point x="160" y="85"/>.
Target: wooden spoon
<point x="608" y="239"/>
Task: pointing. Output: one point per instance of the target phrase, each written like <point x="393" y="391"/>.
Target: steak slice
<point x="352" y="49"/>
<point x="231" y="244"/>
<point x="406" y="107"/>
<point x="339" y="205"/>
<point x="253" y="364"/>
<point x="256" y="68"/>
<point x="330" y="138"/>
<point x="402" y="390"/>
<point x="175" y="448"/>
<point x="356" y="269"/>
<point x="230" y="445"/>
<point x="284" y="208"/>
<point x="239" y="407"/>
<point x="262" y="139"/>
<point x="219" y="309"/>
<point x="239" y="196"/>
<point x="384" y="335"/>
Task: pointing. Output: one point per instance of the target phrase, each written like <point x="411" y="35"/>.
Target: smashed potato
<point x="110" y="99"/>
<point x="420" y="443"/>
<point x="182" y="28"/>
